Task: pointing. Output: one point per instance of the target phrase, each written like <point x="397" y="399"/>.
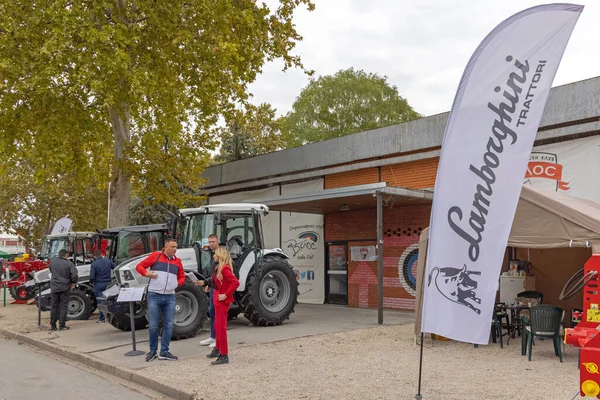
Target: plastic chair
<point x="544" y="322"/>
<point x="532" y="294"/>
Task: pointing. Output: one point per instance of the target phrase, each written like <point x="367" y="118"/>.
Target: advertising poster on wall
<point x="302" y="239"/>
<point x="363" y="253"/>
<point x="568" y="167"/>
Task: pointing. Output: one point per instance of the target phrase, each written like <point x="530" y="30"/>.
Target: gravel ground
<point x="376" y="363"/>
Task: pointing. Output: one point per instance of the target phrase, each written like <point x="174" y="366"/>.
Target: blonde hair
<point x="224" y="258"/>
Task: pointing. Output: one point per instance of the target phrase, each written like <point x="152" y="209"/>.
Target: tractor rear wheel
<point x="271" y="292"/>
<point x="80" y="305"/>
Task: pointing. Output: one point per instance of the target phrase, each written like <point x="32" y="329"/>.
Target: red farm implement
<point x="15" y="275"/>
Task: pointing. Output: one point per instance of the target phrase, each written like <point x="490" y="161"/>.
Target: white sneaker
<point x="208" y="341"/>
<point x="213" y="344"/>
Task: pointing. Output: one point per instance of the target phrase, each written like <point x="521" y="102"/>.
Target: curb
<point x="103" y="366"/>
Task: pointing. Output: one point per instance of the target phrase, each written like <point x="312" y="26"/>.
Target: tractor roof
<point x="73" y="235"/>
<point x="138" y="228"/>
<point x="243" y="208"/>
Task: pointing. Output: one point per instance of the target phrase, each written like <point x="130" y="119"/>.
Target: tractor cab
<point x="80" y="246"/>
<point x="125" y="242"/>
<point x="238" y="227"/>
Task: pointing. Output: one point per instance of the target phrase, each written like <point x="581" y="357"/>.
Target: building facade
<point x="322" y="194"/>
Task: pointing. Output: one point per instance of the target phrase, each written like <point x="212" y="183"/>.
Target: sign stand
<point x="39" y="307"/>
<point x="132" y="295"/>
<point x="133" y="352"/>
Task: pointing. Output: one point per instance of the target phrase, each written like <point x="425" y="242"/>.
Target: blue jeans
<point x="211" y="313"/>
<point x="161" y="304"/>
<point x="100" y="287"/>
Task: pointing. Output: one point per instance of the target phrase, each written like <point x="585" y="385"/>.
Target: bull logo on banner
<point x="456" y="285"/>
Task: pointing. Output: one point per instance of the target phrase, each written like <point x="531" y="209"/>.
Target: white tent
<point x="543" y="220"/>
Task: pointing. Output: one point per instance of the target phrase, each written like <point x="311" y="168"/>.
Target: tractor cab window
<point x="84" y="251"/>
<point x="129" y="245"/>
<point x="51" y="247"/>
<point x="196" y="229"/>
<point x="236" y="232"/>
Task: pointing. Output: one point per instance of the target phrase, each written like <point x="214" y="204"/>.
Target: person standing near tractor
<point x="63" y="279"/>
<point x="166" y="274"/>
<point x="224" y="283"/>
<point x="100" y="277"/>
<point x="213" y="243"/>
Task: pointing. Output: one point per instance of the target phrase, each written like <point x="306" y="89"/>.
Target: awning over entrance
<point x="350" y="198"/>
<point x="353" y="198"/>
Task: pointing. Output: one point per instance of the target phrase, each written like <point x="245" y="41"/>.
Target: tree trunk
<point x="120" y="185"/>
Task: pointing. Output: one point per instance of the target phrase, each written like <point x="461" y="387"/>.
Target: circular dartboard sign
<point x="407" y="268"/>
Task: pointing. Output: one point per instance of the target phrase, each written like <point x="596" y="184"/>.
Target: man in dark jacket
<point x="100" y="277"/>
<point x="213" y="243"/>
<point x="64" y="277"/>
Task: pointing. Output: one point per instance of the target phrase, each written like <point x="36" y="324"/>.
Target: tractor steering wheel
<point x="237" y="239"/>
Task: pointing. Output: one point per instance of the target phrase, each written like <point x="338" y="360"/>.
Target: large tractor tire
<point x="271" y="292"/>
<point x="190" y="311"/>
<point x="123" y="321"/>
<point x="21" y="293"/>
<point x="80" y="305"/>
<point x="45" y="302"/>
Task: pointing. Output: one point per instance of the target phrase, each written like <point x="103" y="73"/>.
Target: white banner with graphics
<point x="569" y="167"/>
<point x="302" y="239"/>
<point x="485" y="152"/>
<point x="270" y="223"/>
<point x="63" y="225"/>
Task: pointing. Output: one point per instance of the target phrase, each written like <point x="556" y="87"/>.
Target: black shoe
<point x="213" y="354"/>
<point x="165" y="355"/>
<point x="150" y="356"/>
<point x="52" y="328"/>
<point x="224" y="359"/>
<point x="63" y="328"/>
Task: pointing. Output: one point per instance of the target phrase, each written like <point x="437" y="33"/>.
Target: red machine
<point x="586" y="335"/>
<point x="15" y="275"/>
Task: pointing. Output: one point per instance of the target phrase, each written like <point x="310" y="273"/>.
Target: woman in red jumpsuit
<point x="225" y="283"/>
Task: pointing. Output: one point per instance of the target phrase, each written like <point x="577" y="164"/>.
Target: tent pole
<point x="379" y="258"/>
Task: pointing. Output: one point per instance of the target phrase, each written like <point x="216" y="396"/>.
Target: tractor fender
<point x="249" y="262"/>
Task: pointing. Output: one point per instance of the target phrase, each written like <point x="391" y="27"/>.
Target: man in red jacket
<point x="166" y="274"/>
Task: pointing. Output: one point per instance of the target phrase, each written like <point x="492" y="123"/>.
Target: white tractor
<point x="268" y="290"/>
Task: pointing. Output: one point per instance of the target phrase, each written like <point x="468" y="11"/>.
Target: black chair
<point x="532" y="294"/>
<point x="544" y="322"/>
<point x="502" y="314"/>
<point x="496" y="328"/>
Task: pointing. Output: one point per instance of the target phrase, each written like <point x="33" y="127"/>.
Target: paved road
<point x="28" y="375"/>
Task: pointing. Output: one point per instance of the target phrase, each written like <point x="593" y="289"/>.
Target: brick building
<point x="324" y="196"/>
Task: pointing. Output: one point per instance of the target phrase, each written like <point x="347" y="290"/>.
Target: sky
<point x="422" y="46"/>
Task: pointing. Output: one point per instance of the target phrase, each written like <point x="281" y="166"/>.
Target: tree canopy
<point x="348" y="102"/>
<point x="250" y="133"/>
<point x="125" y="91"/>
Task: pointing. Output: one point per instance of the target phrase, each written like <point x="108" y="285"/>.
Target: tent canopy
<point x="543" y="220"/>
